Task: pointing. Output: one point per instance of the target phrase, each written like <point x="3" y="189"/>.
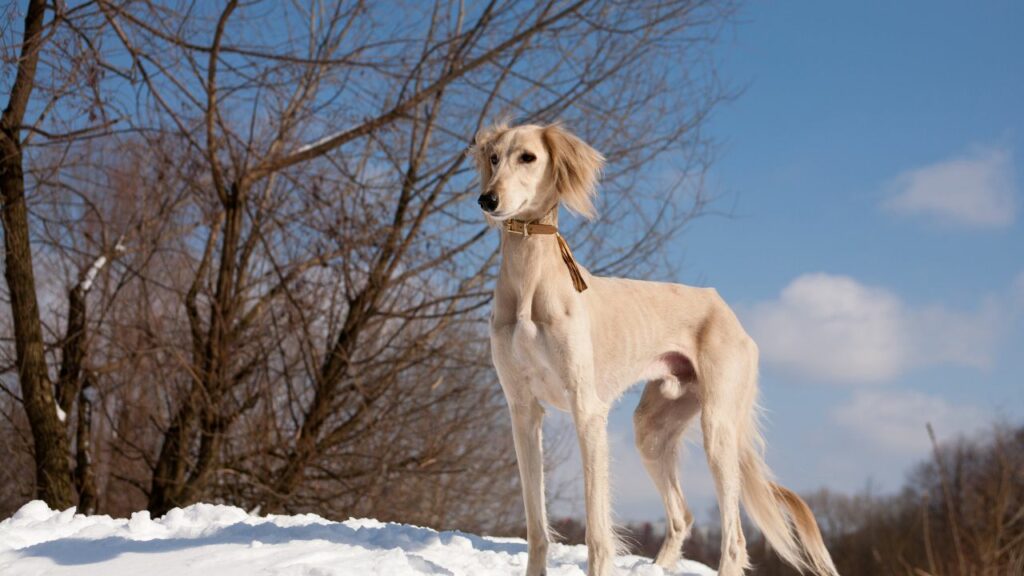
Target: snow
<point x="97" y="265"/>
<point x="214" y="540"/>
<point x="90" y="276"/>
<point x="312" y="145"/>
<point x="61" y="414"/>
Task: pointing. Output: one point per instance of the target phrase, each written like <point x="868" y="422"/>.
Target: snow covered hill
<point x="212" y="540"/>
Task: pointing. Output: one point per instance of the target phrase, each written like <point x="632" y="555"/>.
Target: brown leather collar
<point x="528" y="229"/>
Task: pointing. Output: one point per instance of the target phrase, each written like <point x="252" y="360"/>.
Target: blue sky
<point x="875" y="249"/>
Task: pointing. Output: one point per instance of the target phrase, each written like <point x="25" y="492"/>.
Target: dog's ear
<point x="576" y="167"/>
<point x="478" y="150"/>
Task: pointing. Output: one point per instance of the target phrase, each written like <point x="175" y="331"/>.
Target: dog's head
<point x="526" y="170"/>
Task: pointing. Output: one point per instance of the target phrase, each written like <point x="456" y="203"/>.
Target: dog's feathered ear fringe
<point x="576" y="167"/>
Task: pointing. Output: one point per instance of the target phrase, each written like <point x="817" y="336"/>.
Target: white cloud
<point x="894" y="420"/>
<point x="833" y="328"/>
<point x="975" y="190"/>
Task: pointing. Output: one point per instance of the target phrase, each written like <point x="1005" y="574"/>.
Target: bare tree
<point x="297" y="323"/>
<point x="55" y="110"/>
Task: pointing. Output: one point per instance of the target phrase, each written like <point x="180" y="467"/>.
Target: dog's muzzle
<point x="488" y="202"/>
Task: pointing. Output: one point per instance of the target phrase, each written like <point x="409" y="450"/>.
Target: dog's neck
<point x="550" y="217"/>
<point x="529" y="263"/>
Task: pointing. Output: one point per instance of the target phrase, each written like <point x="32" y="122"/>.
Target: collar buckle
<point x="519" y="227"/>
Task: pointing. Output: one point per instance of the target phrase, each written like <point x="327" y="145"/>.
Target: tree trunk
<point x="53" y="472"/>
<point x="85" y="477"/>
<point x="53" y="469"/>
<point x="170" y="469"/>
<point x="177" y="479"/>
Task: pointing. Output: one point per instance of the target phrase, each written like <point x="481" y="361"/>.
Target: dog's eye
<point x="494" y="159"/>
<point x="526" y="158"/>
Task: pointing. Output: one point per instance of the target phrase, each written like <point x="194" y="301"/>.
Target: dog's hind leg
<point x="727" y="396"/>
<point x="659" y="423"/>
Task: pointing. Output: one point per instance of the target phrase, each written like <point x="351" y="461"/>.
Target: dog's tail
<point x="785" y="520"/>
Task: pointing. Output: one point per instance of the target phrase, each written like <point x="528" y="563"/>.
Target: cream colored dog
<point x="578" y="342"/>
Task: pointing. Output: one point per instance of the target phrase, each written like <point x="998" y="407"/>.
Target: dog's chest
<point x="527" y="343"/>
<point x="532" y="348"/>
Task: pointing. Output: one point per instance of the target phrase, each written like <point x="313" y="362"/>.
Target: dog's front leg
<point x="590" y="415"/>
<point x="527" y="420"/>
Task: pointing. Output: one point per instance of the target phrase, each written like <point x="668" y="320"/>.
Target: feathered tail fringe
<point x="785" y="520"/>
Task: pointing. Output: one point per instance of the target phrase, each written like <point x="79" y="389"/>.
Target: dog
<point x="574" y="341"/>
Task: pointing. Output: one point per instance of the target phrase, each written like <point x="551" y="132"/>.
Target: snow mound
<point x="212" y="540"/>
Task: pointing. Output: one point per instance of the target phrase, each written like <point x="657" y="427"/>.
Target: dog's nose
<point x="488" y="202"/>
